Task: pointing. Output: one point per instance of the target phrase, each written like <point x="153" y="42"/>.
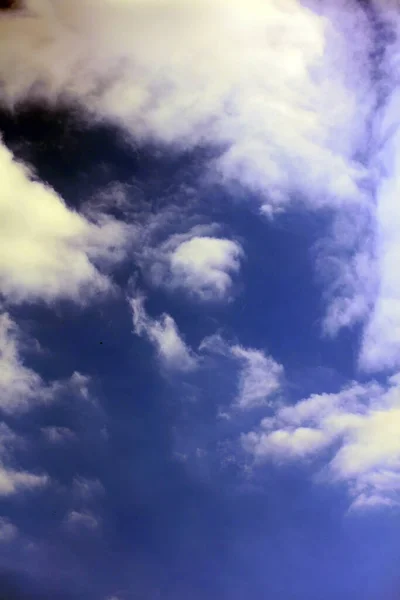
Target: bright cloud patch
<point x="360" y="425"/>
<point x="164" y="335"/>
<point x="46" y="250"/>
<point x="284" y="101"/>
<point x="277" y="94"/>
<point x="203" y="265"/>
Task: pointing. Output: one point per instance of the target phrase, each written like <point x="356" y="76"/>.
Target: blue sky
<point x="199" y="300"/>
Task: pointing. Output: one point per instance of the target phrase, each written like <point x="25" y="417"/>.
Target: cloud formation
<point x="280" y="98"/>
<point x="204" y="265"/>
<point x="260" y="376"/>
<point x="358" y="428"/>
<point x="164" y="335"/>
<point x="47" y="251"/>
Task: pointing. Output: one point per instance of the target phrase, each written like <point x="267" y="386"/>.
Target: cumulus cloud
<point x="358" y="428"/>
<point x="281" y="98"/>
<point x="285" y="102"/>
<point x="204" y="266"/>
<point x="46" y="250"/>
<point x="164" y="335"/>
<point x="197" y="262"/>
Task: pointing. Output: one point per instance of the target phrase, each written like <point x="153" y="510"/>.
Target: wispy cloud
<point x="260" y="376"/>
<point x="76" y="521"/>
<point x="164" y="335"/>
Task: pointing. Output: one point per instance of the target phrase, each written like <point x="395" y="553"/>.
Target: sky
<point x="199" y="300"/>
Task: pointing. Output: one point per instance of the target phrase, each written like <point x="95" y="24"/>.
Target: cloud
<point x="85" y="489"/>
<point x="164" y="335"/>
<point x="260" y="376"/>
<point x="260" y="379"/>
<point x="58" y="435"/>
<point x="19" y="385"/>
<point x="76" y="521"/>
<point x="12" y="482"/>
<point x="21" y="388"/>
<point x="280" y="98"/>
<point x="8" y="531"/>
<point x="284" y="102"/>
<point x="46" y="250"/>
<point x="203" y="265"/>
<point x="197" y="262"/>
<point x="360" y="429"/>
<point x="381" y="343"/>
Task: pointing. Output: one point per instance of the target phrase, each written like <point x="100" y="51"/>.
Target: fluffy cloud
<point x="46" y="250"/>
<point x="359" y="427"/>
<point x="164" y="335"/>
<point x="284" y="101"/>
<point x="281" y="97"/>
<point x="204" y="265"/>
<point x="197" y="262"/>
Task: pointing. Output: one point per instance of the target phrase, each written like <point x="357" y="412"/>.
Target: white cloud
<point x="46" y="250"/>
<point x="360" y="426"/>
<point x="260" y="376"/>
<point x="12" y="482"/>
<point x="164" y="335"/>
<point x="285" y="101"/>
<point x="381" y="344"/>
<point x="281" y="95"/>
<point x="260" y="379"/>
<point x="204" y="265"/>
<point x="8" y="531"/>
